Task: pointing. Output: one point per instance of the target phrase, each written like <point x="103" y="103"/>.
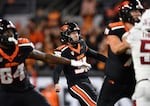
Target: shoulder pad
<point x="116" y="28"/>
<point x="116" y="25"/>
<point x="25" y="42"/>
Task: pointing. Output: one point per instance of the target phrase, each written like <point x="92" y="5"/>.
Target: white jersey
<point x="139" y="41"/>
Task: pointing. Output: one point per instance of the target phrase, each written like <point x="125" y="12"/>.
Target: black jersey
<point x="115" y="63"/>
<point x="80" y="52"/>
<point x="73" y="74"/>
<point x="13" y="76"/>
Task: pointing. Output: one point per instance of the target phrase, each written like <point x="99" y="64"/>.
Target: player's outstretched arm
<point x="52" y="59"/>
<point x="92" y="53"/>
<point x="48" y="58"/>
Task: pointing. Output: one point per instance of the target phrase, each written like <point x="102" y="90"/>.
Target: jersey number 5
<point x="6" y="76"/>
<point x="145" y="48"/>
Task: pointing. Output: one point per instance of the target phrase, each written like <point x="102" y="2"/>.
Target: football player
<point x="138" y="40"/>
<point x="79" y="85"/>
<point x="119" y="82"/>
<point x="15" y="87"/>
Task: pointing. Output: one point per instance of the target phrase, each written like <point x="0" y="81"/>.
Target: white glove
<point x="80" y="64"/>
<point x="86" y="69"/>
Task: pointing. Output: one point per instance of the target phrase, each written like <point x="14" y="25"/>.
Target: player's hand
<point x="80" y="64"/>
<point x="57" y="87"/>
<point x="86" y="69"/>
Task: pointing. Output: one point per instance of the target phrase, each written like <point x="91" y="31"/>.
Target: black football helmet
<point x="8" y="32"/>
<point x="125" y="9"/>
<point x="66" y="29"/>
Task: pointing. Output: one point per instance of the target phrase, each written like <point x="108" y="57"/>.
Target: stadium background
<point x="39" y="20"/>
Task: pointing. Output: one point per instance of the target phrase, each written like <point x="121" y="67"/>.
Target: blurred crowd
<point x="43" y="26"/>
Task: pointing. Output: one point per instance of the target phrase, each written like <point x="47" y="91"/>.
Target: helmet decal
<point x="64" y="28"/>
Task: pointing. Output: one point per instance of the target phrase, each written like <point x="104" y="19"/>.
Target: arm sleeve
<point x="96" y="55"/>
<point x="57" y="72"/>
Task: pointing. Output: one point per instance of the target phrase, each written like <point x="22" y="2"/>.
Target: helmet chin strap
<point x="12" y="39"/>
